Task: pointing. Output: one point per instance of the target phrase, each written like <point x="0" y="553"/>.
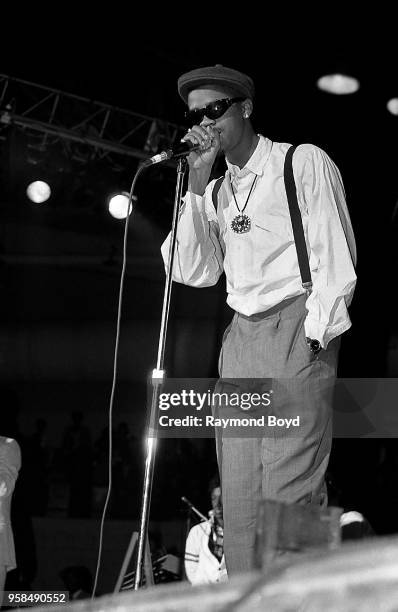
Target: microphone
<point x="192" y="507"/>
<point x="184" y="148"/>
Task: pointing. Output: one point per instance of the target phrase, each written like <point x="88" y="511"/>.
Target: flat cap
<point x="215" y="75"/>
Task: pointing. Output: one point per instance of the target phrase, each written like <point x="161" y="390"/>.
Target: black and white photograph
<point x="198" y="330"/>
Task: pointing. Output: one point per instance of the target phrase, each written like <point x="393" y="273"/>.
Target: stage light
<point x="392" y="106"/>
<point x="38" y="192"/>
<point x="117" y="205"/>
<point x="338" y="84"/>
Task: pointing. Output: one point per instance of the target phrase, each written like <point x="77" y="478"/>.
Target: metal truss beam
<point x="107" y="130"/>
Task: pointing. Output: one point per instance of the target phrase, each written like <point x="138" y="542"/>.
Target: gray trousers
<point x="288" y="468"/>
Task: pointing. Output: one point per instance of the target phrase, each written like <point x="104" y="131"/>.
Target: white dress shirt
<point x="261" y="266"/>
<point x="201" y="566"/>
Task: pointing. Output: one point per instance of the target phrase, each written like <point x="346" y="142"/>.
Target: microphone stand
<point x="158" y="375"/>
<point x="192" y="507"/>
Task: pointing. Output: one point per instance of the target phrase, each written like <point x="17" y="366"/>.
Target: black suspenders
<point x="295" y="216"/>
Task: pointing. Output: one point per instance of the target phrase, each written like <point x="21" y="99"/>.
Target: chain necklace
<point x="241" y="223"/>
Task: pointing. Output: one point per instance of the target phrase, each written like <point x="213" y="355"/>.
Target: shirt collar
<point x="256" y="162"/>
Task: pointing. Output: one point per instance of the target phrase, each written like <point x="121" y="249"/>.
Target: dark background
<point x="60" y="264"/>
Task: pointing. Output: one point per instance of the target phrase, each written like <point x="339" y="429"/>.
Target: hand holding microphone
<point x="208" y="141"/>
<point x="198" y="144"/>
<point x="201" y="146"/>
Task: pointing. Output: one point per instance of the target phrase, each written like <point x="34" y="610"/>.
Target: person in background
<point x="204" y="550"/>
<point x="353" y="524"/>
<point x="10" y="464"/>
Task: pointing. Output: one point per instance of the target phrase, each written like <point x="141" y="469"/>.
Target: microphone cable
<point x="115" y="365"/>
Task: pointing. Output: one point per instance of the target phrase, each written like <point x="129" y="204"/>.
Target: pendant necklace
<point x="241" y="223"/>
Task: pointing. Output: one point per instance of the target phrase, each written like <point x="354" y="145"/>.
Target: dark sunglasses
<point x="213" y="110"/>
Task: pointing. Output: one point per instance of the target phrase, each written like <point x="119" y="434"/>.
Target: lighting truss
<point x="51" y="115"/>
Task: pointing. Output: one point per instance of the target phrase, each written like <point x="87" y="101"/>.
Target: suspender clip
<point x="308" y="288"/>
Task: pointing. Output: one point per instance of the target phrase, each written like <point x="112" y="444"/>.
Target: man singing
<point x="280" y="329"/>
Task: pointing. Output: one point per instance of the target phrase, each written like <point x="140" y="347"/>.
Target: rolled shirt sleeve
<point x="198" y="257"/>
<point x="332" y="248"/>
